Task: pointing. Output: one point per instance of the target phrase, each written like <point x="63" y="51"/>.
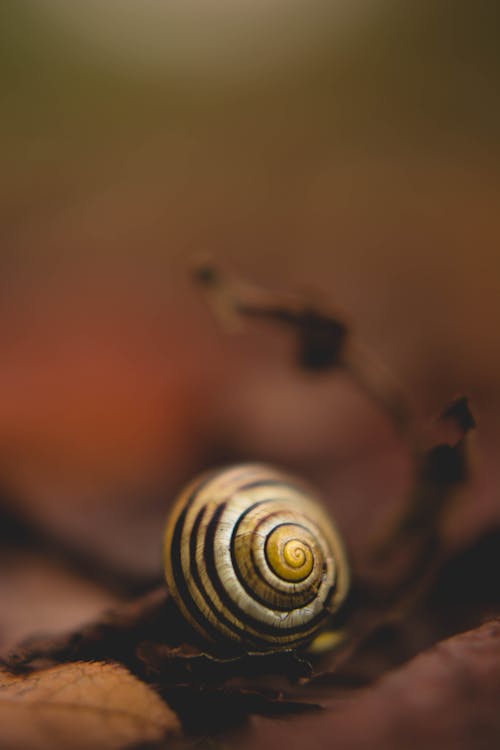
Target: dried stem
<point x="324" y="342"/>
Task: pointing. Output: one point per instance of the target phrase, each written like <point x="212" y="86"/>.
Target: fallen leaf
<point x="447" y="697"/>
<point x="112" y="636"/>
<point x="81" y="705"/>
<point x="41" y="594"/>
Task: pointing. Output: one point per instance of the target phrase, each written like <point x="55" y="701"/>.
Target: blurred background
<point x="345" y="149"/>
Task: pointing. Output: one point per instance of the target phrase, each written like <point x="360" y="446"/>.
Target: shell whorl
<point x="251" y="556"/>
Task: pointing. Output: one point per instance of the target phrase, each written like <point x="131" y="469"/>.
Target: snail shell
<point x="252" y="558"/>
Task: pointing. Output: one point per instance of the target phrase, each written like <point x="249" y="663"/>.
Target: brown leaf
<point x="81" y="706"/>
<point x="447" y="697"/>
<point x="40" y="594"/>
<point x="113" y="636"/>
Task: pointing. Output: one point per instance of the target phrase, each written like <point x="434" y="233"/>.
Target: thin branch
<point x="323" y="338"/>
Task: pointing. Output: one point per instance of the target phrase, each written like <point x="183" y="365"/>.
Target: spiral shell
<point x="252" y="558"/>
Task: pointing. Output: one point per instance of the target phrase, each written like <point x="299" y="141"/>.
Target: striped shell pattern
<point x="251" y="557"/>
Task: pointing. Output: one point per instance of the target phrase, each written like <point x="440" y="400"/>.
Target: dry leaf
<point x="81" y="705"/>
<point x="42" y="593"/>
<point x="114" y="636"/>
<point x="447" y="698"/>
